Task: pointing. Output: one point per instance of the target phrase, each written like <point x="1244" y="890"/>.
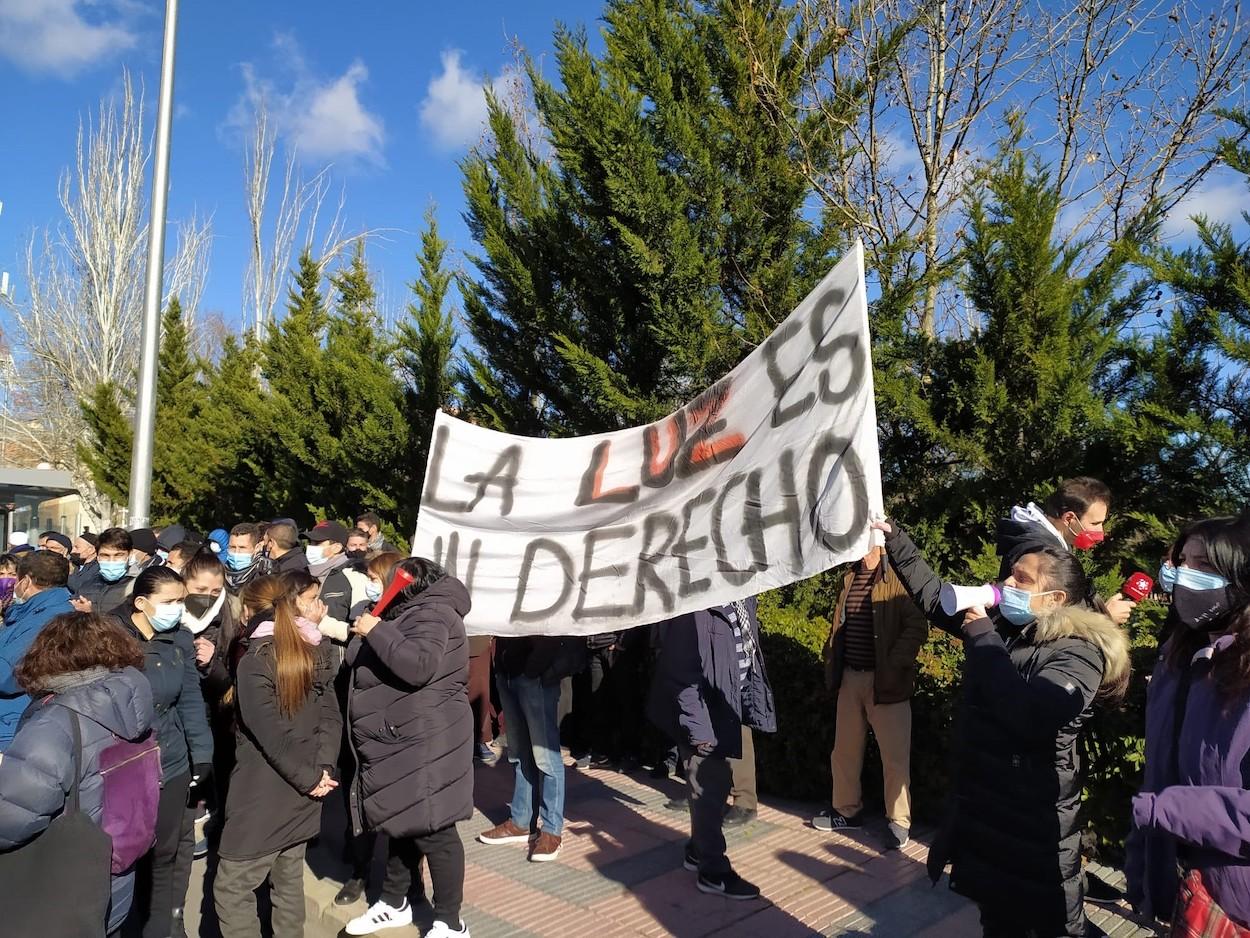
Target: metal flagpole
<point x="145" y="404"/>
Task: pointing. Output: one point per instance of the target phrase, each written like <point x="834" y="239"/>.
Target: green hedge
<point x="794" y="763"/>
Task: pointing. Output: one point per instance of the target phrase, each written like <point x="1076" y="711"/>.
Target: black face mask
<point x="76" y="559"/>
<point x="356" y="555"/>
<point x="198" y="605"/>
<point x="1202" y="610"/>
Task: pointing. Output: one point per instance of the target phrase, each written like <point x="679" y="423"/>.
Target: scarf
<point x="308" y="632"/>
<point x="68" y="680"/>
<point x="237" y="579"/>
<point x="326" y="567"/>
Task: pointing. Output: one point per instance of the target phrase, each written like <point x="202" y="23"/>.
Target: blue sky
<point x="388" y="91"/>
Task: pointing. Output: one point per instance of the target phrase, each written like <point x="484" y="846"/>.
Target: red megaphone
<point x="1137" y="587"/>
<point x="401" y="580"/>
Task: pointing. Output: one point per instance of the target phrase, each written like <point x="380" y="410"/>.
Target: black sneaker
<point x="691" y="859"/>
<point x="730" y="885"/>
<point x="1100" y="891"/>
<point x="832" y="820"/>
<point x="678" y="803"/>
<point x="736" y="817"/>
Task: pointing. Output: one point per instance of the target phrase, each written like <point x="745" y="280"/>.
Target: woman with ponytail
<point x="286" y="744"/>
<point x="1193" y="811"/>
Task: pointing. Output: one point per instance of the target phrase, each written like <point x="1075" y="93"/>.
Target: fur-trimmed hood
<point x="1097" y="629"/>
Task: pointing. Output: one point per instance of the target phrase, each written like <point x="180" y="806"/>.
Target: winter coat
<point x="343" y="592"/>
<point x="697" y="694"/>
<point x="22" y="624"/>
<point x="899" y="630"/>
<point x="1024" y="530"/>
<point x="181" y="716"/>
<point x="1012" y="836"/>
<point x="411" y="723"/>
<point x="546" y="658"/>
<point x="36" y="771"/>
<point x="104" y="596"/>
<point x="1195" y="801"/>
<point x="293" y="560"/>
<point x="279" y="758"/>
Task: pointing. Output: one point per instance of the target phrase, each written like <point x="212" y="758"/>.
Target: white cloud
<point x="323" y="119"/>
<point x="1219" y="200"/>
<point x="454" y="107"/>
<point x="53" y="36"/>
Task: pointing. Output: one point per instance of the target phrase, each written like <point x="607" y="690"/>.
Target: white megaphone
<point x="958" y="598"/>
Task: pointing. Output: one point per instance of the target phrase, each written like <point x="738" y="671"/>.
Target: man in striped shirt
<point x="870" y="661"/>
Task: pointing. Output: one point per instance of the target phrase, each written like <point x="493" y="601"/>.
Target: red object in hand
<point x="1137" y="587"/>
<point x="401" y="580"/>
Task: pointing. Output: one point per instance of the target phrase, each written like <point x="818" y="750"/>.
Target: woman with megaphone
<point x="1034" y="670"/>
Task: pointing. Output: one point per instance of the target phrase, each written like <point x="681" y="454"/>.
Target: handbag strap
<point x="72" y="801"/>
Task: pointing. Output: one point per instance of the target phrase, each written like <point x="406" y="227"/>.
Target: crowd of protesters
<point x="166" y="695"/>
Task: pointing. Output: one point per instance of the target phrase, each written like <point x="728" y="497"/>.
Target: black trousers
<point x="444" y="853"/>
<point x="164" y="874"/>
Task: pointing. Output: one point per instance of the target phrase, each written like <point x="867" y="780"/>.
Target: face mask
<point x="237" y="561"/>
<point x="162" y="555"/>
<point x="11" y="589"/>
<point x="1017" y="606"/>
<point x="1167" y="577"/>
<point x="76" y="559"/>
<point x="200" y="611"/>
<point x="1201" y="599"/>
<point x="373" y="591"/>
<point x="113" y="570"/>
<point x="165" y="617"/>
<point x="315" y="553"/>
<point x="356" y="555"/>
<point x="1086" y="539"/>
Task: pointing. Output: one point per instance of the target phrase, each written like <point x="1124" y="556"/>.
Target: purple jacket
<point x="1194" y="800"/>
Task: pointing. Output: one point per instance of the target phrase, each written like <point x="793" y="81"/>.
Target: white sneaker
<point x="380" y="917"/>
<point x="443" y="930"/>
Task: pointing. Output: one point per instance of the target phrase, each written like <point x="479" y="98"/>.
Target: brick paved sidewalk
<point x="619" y="875"/>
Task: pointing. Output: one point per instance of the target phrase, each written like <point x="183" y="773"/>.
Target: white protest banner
<point x="770" y="476"/>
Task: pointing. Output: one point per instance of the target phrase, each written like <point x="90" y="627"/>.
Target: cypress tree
<point x="362" y="433"/>
<point x="426" y="340"/>
<point x="180" y="477"/>
<point x="661" y="236"/>
<point x="110" y="435"/>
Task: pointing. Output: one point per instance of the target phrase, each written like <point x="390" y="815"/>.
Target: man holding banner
<point x="710" y="683"/>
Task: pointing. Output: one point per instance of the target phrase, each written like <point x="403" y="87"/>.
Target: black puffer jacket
<point x="181" y="714"/>
<point x="280" y="758"/>
<point x="1011" y="836"/>
<point x="412" y="726"/>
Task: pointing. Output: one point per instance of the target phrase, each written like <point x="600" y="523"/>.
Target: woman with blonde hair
<point x="286" y="747"/>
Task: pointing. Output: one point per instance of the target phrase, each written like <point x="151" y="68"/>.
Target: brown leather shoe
<point x="546" y="847"/>
<point x="505" y="833"/>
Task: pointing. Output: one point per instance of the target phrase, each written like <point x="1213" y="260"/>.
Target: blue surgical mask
<point x="315" y="553"/>
<point x="1017" y="606"/>
<point x="166" y="616"/>
<point x="237" y="561"/>
<point x="113" y="570"/>
<point x="1167" y="577"/>
<point x="373" y="592"/>
<point x="1198" y="580"/>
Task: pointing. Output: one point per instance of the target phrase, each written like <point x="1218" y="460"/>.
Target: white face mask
<point x="315" y="553"/>
<point x="198" y="624"/>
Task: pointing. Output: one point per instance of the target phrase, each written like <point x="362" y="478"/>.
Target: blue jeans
<point x="531" y="712"/>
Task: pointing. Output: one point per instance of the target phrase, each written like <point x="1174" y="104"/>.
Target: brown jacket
<point x="899" y="629"/>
